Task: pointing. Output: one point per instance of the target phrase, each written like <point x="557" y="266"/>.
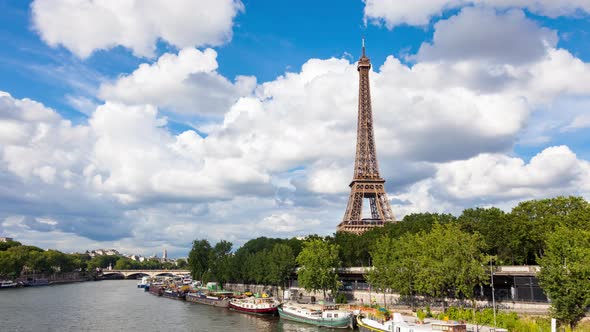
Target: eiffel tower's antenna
<point x="363" y="46"/>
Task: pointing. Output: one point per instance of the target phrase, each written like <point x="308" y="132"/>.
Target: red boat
<point x="254" y="305"/>
<point x="156" y="290"/>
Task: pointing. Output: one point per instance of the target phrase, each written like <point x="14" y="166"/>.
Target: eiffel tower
<point x="367" y="183"/>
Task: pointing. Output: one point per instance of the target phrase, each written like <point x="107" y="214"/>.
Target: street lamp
<point x="493" y="295"/>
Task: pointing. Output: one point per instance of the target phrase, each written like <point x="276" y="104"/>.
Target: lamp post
<point x="493" y="295"/>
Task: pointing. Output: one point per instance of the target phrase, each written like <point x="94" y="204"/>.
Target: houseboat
<point x="398" y="324"/>
<point x="324" y="315"/>
<point x="215" y="299"/>
<point x="7" y="284"/>
<point x="144" y="282"/>
<point x="175" y="294"/>
<point x="255" y="305"/>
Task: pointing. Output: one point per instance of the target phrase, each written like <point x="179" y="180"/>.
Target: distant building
<point x="104" y="252"/>
<point x="6" y="239"/>
<point x="165" y="255"/>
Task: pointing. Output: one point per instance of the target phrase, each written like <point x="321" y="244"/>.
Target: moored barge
<point x="253" y="305"/>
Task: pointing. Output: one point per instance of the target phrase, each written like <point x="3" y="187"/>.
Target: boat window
<point x="329" y="315"/>
<point x="335" y="315"/>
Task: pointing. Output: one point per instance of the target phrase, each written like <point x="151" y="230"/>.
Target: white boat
<point x="327" y="316"/>
<point x="7" y="284"/>
<point x="398" y="324"/>
<point x="187" y="280"/>
<point x="144" y="283"/>
<point x="255" y="305"/>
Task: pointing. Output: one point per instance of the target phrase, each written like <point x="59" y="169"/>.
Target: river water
<point x="118" y="305"/>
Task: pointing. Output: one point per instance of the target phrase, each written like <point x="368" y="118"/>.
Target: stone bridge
<point x="134" y="274"/>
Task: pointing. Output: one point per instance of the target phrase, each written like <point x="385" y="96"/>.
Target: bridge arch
<point x="136" y="275"/>
<point x="166" y="274"/>
<point x="113" y="275"/>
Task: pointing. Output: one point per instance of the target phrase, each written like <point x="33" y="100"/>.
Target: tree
<point x="256" y="267"/>
<point x="281" y="263"/>
<point x="59" y="261"/>
<point x="565" y="273"/>
<point x="352" y="250"/>
<point x="198" y="258"/>
<point x="534" y="220"/>
<point x="450" y="262"/>
<point x="219" y="261"/>
<point x="395" y="265"/>
<point x="495" y="228"/>
<point x="124" y="263"/>
<point x="8" y="244"/>
<point x="181" y="264"/>
<point x="318" y="261"/>
<point x="80" y="261"/>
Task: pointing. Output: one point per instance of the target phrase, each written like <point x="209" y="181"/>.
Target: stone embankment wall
<point x="59" y="278"/>
<point x="390" y="300"/>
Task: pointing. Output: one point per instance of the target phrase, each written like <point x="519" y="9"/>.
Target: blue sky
<point x="226" y="122"/>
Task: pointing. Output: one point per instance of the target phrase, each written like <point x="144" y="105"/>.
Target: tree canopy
<point x="318" y="261"/>
<point x="565" y="273"/>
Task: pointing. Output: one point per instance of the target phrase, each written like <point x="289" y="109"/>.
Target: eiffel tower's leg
<point x="357" y="208"/>
<point x="374" y="208"/>
<point x="385" y="207"/>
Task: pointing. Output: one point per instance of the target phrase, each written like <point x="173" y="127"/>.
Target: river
<point x="118" y="305"/>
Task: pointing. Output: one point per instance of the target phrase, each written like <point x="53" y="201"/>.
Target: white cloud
<point x="286" y="223"/>
<point x="187" y="83"/>
<point x="86" y="26"/>
<point x="393" y="12"/>
<point x="482" y="34"/>
<point x="555" y="170"/>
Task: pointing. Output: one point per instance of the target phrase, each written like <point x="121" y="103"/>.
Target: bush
<point x="341" y="298"/>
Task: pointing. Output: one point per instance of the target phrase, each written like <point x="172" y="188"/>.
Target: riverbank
<point x="55" y="278"/>
<point x="391" y="300"/>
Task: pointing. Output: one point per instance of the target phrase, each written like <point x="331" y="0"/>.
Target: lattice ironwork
<point x="367" y="183"/>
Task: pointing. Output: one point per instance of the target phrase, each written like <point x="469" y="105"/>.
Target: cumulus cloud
<point x="392" y="12"/>
<point x="86" y="26"/>
<point x="555" y="170"/>
<point x="481" y="34"/>
<point x="286" y="223"/>
<point x="186" y="83"/>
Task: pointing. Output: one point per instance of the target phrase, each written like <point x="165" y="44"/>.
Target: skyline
<point x="136" y="126"/>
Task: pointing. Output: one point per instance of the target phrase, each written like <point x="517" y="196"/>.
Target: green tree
<point x="8" y="244"/>
<point x="352" y="249"/>
<point x="318" y="261"/>
<point x="565" y="273"/>
<point x="395" y="265"/>
<point x="256" y="267"/>
<point x="37" y="262"/>
<point x="451" y="262"/>
<point x="181" y="264"/>
<point x="80" y="261"/>
<point x="219" y="261"/>
<point x="495" y="228"/>
<point x="102" y="262"/>
<point x="198" y="258"/>
<point x="533" y="221"/>
<point x="281" y="263"/>
<point x="59" y="261"/>
<point x="124" y="263"/>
